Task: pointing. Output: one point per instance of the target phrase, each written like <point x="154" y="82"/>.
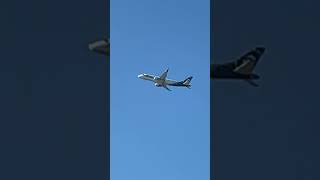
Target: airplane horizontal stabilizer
<point x="252" y="83"/>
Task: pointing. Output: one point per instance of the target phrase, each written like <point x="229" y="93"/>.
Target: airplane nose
<point x="140" y="75"/>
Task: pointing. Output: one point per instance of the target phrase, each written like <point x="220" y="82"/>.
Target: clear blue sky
<point x="157" y="134"/>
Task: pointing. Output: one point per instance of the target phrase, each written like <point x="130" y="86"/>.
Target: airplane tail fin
<point x="247" y="63"/>
<point x="187" y="81"/>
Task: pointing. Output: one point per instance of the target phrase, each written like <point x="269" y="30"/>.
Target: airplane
<point x="241" y="69"/>
<point x="101" y="47"/>
<point x="162" y="81"/>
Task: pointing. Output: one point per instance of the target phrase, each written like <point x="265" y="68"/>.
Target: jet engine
<point x="157" y="84"/>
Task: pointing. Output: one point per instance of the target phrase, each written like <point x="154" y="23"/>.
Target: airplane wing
<point x="247" y="63"/>
<point x="165" y="86"/>
<point x="164" y="75"/>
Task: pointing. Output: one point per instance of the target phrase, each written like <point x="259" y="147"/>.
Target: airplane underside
<point x="165" y="85"/>
<point x="234" y="76"/>
<point x="179" y="85"/>
<point x="247" y="78"/>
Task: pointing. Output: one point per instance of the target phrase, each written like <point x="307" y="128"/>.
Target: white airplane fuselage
<point x="162" y="81"/>
<point x="157" y="80"/>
